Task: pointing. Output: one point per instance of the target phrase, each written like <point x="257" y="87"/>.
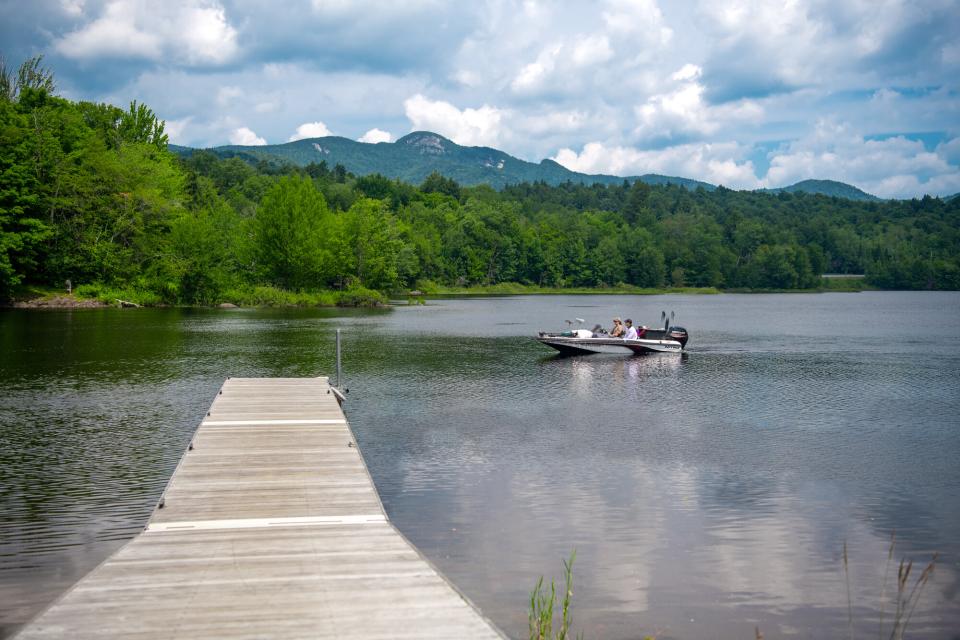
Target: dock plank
<point x="270" y="527"/>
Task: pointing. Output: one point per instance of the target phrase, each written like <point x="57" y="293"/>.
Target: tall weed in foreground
<point x="906" y="598"/>
<point x="542" y="606"/>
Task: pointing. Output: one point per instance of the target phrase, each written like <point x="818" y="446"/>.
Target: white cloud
<point x="376" y="135"/>
<point x="949" y="150"/>
<point x="592" y="50"/>
<point x="227" y="95"/>
<point x="895" y="167"/>
<point x="785" y="39"/>
<point x="354" y="8"/>
<point x="310" y="130"/>
<point x="272" y="106"/>
<point x="533" y="76"/>
<point x="566" y="48"/>
<point x="830" y="45"/>
<point x="684" y="112"/>
<point x="190" y="32"/>
<point x="715" y="163"/>
<point x="567" y="121"/>
<point x="73" y="8"/>
<point x="480" y="126"/>
<point x="680" y="111"/>
<point x="468" y="78"/>
<point x="687" y="72"/>
<point x="245" y="136"/>
<point x="175" y="129"/>
<point x="208" y="36"/>
<point x="113" y="35"/>
<point x="542" y="76"/>
<point x="638" y="19"/>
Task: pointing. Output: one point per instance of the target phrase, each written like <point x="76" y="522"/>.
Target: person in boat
<point x="618" y="330"/>
<point x="642" y="332"/>
<point x="631" y="332"/>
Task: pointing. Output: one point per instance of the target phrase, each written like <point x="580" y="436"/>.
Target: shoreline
<point x="71" y="301"/>
<point x="55" y="302"/>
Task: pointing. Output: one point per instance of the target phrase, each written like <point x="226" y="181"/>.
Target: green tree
<point x="23" y="229"/>
<point x="141" y="125"/>
<point x="636" y="209"/>
<point x="30" y="75"/>
<point x="291" y="235"/>
<point x="375" y="243"/>
<point x="202" y="253"/>
<point x="436" y="183"/>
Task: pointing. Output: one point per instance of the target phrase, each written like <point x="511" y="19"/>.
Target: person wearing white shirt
<point x="631" y="330"/>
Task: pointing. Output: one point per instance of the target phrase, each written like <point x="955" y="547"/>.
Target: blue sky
<point x="744" y="93"/>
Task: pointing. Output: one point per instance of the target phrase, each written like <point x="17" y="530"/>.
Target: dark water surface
<point x="705" y="494"/>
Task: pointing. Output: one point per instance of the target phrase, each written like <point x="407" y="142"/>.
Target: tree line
<point x="90" y="193"/>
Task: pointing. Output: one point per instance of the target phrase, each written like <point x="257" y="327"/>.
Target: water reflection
<point x="704" y="494"/>
<point x="617" y="369"/>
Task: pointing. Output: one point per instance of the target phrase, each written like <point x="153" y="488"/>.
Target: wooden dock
<point x="269" y="528"/>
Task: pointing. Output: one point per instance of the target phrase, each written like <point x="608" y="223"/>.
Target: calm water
<point x="704" y="494"/>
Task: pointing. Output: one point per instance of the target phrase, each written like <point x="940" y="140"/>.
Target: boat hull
<point x="584" y="346"/>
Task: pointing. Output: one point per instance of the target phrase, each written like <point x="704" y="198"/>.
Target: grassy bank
<point x="88" y="295"/>
<point x="513" y="288"/>
<point x="97" y="295"/>
<point x="846" y="284"/>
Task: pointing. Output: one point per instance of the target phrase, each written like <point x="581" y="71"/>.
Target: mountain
<point x="827" y="188"/>
<point x="416" y="155"/>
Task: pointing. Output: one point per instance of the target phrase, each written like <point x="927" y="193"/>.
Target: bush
<point x="426" y="285"/>
<point x="266" y="296"/>
<point x="111" y="295"/>
<point x="358" y="296"/>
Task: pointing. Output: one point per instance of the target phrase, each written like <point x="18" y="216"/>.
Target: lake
<point x="705" y="494"/>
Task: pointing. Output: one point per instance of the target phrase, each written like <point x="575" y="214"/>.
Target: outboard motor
<point x="679" y="334"/>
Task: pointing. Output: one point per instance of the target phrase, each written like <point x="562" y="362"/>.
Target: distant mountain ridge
<point x="827" y="188"/>
<point x="416" y="155"/>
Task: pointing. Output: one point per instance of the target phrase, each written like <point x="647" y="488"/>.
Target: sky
<point x="748" y="94"/>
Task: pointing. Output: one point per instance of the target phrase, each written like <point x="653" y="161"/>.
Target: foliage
<point x="292" y="235"/>
<point x="89" y="193"/>
<point x="113" y="295"/>
<point x="22" y="230"/>
<point x="358" y="296"/>
<point x="905" y="598"/>
<point x="423" y="158"/>
<point x="436" y="183"/>
<point x="266" y="296"/>
<point x="826" y="188"/>
<point x="541" y="615"/>
<point x="414" y="157"/>
<point x="30" y="75"/>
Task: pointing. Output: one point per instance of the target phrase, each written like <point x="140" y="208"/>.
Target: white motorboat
<point x="670" y="339"/>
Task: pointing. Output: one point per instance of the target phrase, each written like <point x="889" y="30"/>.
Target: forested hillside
<point x="416" y="155"/>
<point x="826" y="188"/>
<point x="89" y="193"/>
